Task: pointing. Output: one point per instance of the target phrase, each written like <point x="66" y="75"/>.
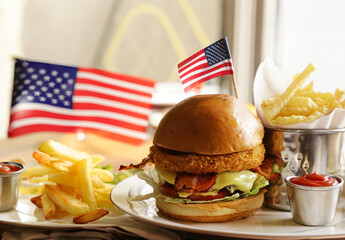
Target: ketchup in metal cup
<point x="7" y="168"/>
<point x="314" y="180"/>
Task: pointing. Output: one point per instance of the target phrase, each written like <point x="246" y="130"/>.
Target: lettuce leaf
<point x="259" y="183"/>
<point x="118" y="176"/>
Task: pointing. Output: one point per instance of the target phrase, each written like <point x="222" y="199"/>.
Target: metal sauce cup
<point x="313" y="206"/>
<point x="9" y="186"/>
<point x="302" y="151"/>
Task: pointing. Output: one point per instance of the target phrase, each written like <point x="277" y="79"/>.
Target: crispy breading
<point x="198" y="163"/>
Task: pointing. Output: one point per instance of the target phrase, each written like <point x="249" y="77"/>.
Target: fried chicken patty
<point x="198" y="163"/>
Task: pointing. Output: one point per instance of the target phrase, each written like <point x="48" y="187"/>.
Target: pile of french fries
<point x="300" y="103"/>
<point x="71" y="183"/>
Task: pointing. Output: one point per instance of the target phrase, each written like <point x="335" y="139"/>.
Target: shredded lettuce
<point x="150" y="176"/>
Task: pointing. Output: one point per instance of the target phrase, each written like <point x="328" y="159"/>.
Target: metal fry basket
<point x="302" y="151"/>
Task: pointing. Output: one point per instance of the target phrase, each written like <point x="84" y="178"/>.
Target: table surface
<point x="116" y="154"/>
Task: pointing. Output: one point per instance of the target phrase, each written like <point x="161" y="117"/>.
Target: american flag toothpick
<point x="210" y="62"/>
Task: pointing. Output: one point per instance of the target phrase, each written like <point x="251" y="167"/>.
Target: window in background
<point x="146" y="38"/>
<point x="312" y="31"/>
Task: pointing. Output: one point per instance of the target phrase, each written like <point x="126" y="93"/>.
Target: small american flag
<point x="48" y="97"/>
<point x="212" y="61"/>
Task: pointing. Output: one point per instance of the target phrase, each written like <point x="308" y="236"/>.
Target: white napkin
<point x="270" y="80"/>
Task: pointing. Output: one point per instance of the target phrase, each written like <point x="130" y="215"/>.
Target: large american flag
<point x="210" y="62"/>
<point x="49" y="97"/>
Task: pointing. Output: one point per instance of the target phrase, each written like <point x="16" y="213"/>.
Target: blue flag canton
<point x="217" y="52"/>
<point x="43" y="83"/>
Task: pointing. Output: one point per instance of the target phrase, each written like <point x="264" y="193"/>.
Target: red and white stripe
<point x="114" y="105"/>
<point x="195" y="70"/>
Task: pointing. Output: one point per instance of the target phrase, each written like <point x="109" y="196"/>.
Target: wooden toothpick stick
<point x="234" y="84"/>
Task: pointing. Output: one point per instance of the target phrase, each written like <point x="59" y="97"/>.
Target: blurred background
<point x="148" y="38"/>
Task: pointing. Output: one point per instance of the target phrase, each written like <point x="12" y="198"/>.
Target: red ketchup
<point x="314" y="180"/>
<point x="7" y="168"/>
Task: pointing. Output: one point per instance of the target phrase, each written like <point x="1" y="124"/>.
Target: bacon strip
<point x="187" y="182"/>
<point x="272" y="177"/>
<point x="139" y="165"/>
<point x="265" y="169"/>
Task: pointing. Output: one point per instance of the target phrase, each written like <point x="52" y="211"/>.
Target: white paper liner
<point x="270" y="80"/>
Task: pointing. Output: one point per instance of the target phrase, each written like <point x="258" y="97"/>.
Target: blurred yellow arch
<point x="128" y="19"/>
<point x="167" y="26"/>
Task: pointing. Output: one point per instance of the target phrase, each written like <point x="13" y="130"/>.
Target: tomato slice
<point x="168" y="190"/>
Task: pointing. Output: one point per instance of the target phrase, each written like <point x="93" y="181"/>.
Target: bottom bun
<point x="212" y="212"/>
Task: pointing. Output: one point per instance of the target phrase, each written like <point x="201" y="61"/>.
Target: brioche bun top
<point x="210" y="124"/>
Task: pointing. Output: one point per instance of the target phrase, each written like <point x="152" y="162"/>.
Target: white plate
<point x="28" y="215"/>
<point x="266" y="223"/>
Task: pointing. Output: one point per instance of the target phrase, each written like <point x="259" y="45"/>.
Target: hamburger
<point x="206" y="152"/>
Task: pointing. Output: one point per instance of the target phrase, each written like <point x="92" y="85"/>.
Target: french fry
<point x="272" y="110"/>
<point x="322" y="98"/>
<point x="85" y="184"/>
<point x="71" y="191"/>
<point x="103" y="196"/>
<point x="65" y="201"/>
<point x="71" y="183"/>
<point x="64" y="166"/>
<point x="321" y="110"/>
<point x="305" y="90"/>
<point x="48" y="207"/>
<point x="301" y="104"/>
<point x="37" y="201"/>
<point x="269" y="101"/>
<point x="102" y="174"/>
<point x="330" y="106"/>
<point x="296" y="118"/>
<point x="339" y="95"/>
<point x="37" y="171"/>
<point x="91" y="216"/>
<point x="103" y="201"/>
<point x="40" y="179"/>
<point x="42" y="158"/>
<point x="96" y="182"/>
<point x="31" y="190"/>
<point x="297" y="111"/>
<point x="64" y="179"/>
<point x="298" y="105"/>
<point x="105" y="192"/>
<point x="301" y="101"/>
<point x="62" y="152"/>
<point x="96" y="159"/>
